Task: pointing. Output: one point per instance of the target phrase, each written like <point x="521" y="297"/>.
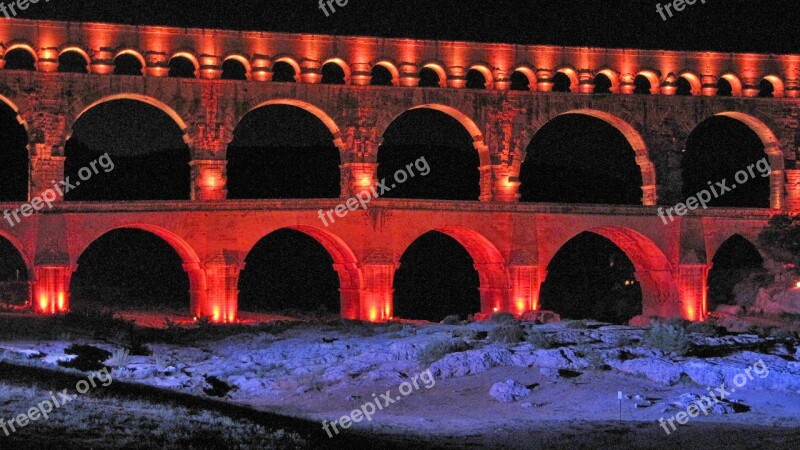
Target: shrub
<point x="451" y="320"/>
<point x="120" y="358"/>
<point x="440" y="348"/>
<point x="542" y="340"/>
<point x="89" y="358"/>
<point x="503" y="318"/>
<point x="507" y="334"/>
<point x="667" y="337"/>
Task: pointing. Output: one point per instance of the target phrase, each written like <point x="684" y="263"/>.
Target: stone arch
<point x="140" y="98"/>
<point x="241" y="59"/>
<point x="694" y="82"/>
<point x="489" y="263"/>
<point x="438" y="67"/>
<point x="660" y="294"/>
<point x="772" y="148"/>
<point x="22" y="45"/>
<point x="292" y="61"/>
<point x="343" y="65"/>
<point x="777" y="85"/>
<point x="612" y="75"/>
<point x="16" y="109"/>
<point x="528" y="71"/>
<point x="634" y="138"/>
<point x="78" y="50"/>
<point x="484" y="69"/>
<point x="20" y="248"/>
<point x="189" y="56"/>
<point x="571" y="73"/>
<point x="389" y="65"/>
<point x="463" y="119"/>
<point x="735" y="82"/>
<point x="654" y="79"/>
<point x="132" y="52"/>
<point x="308" y="107"/>
<point x="192" y="264"/>
<point x="345" y="264"/>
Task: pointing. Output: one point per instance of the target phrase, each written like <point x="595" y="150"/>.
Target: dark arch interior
<point x="282" y="151"/>
<point x="13" y="157"/>
<point x="428" y="78"/>
<point x="150" y="159"/>
<point x="283" y="72"/>
<point x="766" y="89"/>
<point x="724" y="88"/>
<point x="127" y="64"/>
<point x="575" y="158"/>
<point x="562" y="83"/>
<point x="684" y="87"/>
<point x="642" y="85"/>
<point x="475" y="79"/>
<point x="289" y="270"/>
<point x="717" y="149"/>
<point x="446" y="147"/>
<point x="520" y="82"/>
<point x="381" y="76"/>
<point x="14" y="286"/>
<point x="130" y="269"/>
<point x="181" y="67"/>
<point x="436" y="279"/>
<point x="20" y="59"/>
<point x="591" y="278"/>
<point x="736" y="260"/>
<point x="232" y="69"/>
<point x="332" y="73"/>
<point x="72" y="62"/>
<point x="602" y="84"/>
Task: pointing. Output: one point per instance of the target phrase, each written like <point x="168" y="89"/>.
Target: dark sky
<point x="722" y="25"/>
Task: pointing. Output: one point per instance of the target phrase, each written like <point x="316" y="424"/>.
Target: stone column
<point x="793" y="191"/>
<point x="102" y="61"/>
<point x="524" y="288"/>
<point x="505" y="188"/>
<point x="157" y="64"/>
<point x="310" y="71"/>
<point x="692" y="288"/>
<point x="544" y="80"/>
<point x="261" y="68"/>
<point x="409" y="74"/>
<point x="209" y="179"/>
<point x="377" y="297"/>
<point x="456" y="77"/>
<point x="222" y="296"/>
<point x="51" y="288"/>
<point x="210" y="67"/>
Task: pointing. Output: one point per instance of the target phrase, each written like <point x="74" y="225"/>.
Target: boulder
<point x="509" y="392"/>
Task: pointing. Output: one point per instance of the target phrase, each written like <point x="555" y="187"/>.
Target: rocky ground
<point x="486" y="385"/>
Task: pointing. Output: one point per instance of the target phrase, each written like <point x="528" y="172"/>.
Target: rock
<point x="642" y="322"/>
<point x="509" y="392"/>
<point x="728" y="310"/>
<point x="471" y="362"/>
<point x="541" y="317"/>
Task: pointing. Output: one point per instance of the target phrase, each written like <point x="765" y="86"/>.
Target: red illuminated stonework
<point x="510" y="243"/>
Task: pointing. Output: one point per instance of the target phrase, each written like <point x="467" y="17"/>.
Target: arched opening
<point x="289" y="271"/>
<point x="732" y="81"/>
<point x="333" y="73"/>
<point x="20" y="59"/>
<point x="724" y="88"/>
<point x="182" y="67"/>
<point x="148" y="158"/>
<point x="475" y="79"/>
<point x="283" y="151"/>
<point x="766" y="89"/>
<point x="131" y="270"/>
<point x="602" y="84"/>
<point x="443" y="144"/>
<point x="578" y="158"/>
<point x="14" y="277"/>
<point x="428" y="77"/>
<point x="72" y="61"/>
<point x="437" y="278"/>
<point x="642" y="85"/>
<point x="128" y="64"/>
<point x="283" y="72"/>
<point x="716" y="151"/>
<point x="520" y="81"/>
<point x="14" y="162"/>
<point x="735" y="274"/>
<point x="562" y="83"/>
<point x="381" y="76"/>
<point x="234" y="69"/>
<point x="591" y="278"/>
<point x="684" y="87"/>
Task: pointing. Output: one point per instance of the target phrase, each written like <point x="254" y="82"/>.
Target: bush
<point x="507" y="334"/>
<point x="90" y="359"/>
<point x="441" y="348"/>
<point x="503" y="318"/>
<point x="668" y="337"/>
<point x="542" y="340"/>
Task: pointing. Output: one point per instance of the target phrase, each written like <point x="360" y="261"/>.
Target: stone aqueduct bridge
<point x="510" y="242"/>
